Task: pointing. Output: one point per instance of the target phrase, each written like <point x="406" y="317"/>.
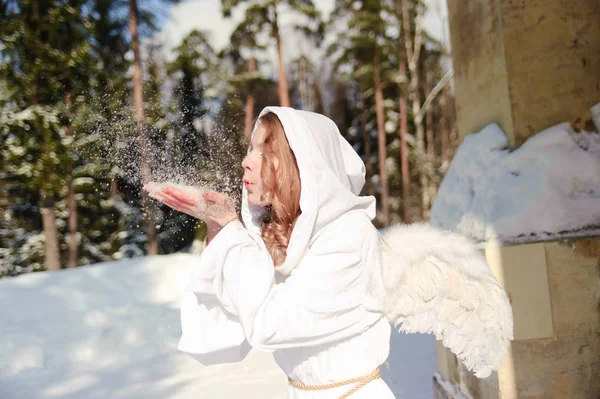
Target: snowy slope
<point x="110" y="331"/>
<point x="547" y="188"/>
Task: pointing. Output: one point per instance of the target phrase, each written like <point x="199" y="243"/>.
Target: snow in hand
<point x="195" y="191"/>
<point x="110" y="330"/>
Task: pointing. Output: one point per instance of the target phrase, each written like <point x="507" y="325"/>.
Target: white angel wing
<point x="439" y="282"/>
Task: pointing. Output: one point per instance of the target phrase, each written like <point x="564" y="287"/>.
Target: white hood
<point x="331" y="173"/>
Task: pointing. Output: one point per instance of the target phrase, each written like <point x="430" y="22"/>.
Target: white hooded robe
<point x="321" y="312"/>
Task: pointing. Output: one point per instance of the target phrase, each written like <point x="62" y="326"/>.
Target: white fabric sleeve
<point x="322" y="301"/>
<point x="209" y="334"/>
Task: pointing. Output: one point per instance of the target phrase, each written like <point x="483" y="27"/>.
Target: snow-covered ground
<point x="110" y="330"/>
<point x="546" y="189"/>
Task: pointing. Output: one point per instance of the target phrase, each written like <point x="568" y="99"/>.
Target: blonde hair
<point x="281" y="188"/>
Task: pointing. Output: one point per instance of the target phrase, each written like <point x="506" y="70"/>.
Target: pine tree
<point x="138" y="102"/>
<point x="34" y="145"/>
<point x="265" y="15"/>
<point x="41" y="69"/>
<point x="192" y="66"/>
<point x="246" y="75"/>
<point x="306" y="93"/>
<point x="175" y="230"/>
<point x="363" y="50"/>
<point x="77" y="107"/>
<point x="111" y="210"/>
<point x="422" y="55"/>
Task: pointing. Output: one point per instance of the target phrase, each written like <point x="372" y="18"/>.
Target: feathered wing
<point x="439" y="282"/>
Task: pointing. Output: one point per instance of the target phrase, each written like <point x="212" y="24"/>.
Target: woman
<point x="301" y="276"/>
<point x="305" y="277"/>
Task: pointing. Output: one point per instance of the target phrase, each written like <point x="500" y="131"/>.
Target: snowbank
<point x="547" y="188"/>
<point x="110" y="331"/>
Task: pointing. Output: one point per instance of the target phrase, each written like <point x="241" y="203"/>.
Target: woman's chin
<point x="252" y="200"/>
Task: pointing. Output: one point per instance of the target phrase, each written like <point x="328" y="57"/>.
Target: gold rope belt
<point x="360" y="381"/>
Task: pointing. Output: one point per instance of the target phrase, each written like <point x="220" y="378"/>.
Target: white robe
<point x="317" y="312"/>
<point x="321" y="324"/>
<point x="324" y="312"/>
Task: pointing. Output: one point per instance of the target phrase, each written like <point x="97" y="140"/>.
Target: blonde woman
<point x="301" y="274"/>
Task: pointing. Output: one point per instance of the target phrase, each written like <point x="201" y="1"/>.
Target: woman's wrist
<point x="214" y="228"/>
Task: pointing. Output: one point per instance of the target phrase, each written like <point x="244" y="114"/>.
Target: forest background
<point x="96" y="97"/>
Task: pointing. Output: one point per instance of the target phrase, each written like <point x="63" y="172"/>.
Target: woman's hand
<point x="215" y="209"/>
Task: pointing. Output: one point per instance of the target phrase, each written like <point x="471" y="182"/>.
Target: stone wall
<point x="525" y="64"/>
<point x="528" y="65"/>
<point x="565" y="365"/>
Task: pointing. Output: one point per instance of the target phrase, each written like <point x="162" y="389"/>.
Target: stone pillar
<point x="525" y="64"/>
<point x="528" y="65"/>
<point x="554" y="288"/>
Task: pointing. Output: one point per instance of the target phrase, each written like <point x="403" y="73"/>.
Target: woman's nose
<point x="246" y="163"/>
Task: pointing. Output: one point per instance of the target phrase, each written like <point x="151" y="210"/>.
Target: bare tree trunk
<point x="404" y="149"/>
<point x="284" y="98"/>
<point x="405" y="173"/>
<point x="138" y="96"/>
<point x="250" y="101"/>
<point x="306" y="84"/>
<point x="367" y="142"/>
<point x="114" y="188"/>
<point x="312" y="87"/>
<point x="430" y="145"/>
<point x="381" y="142"/>
<point x="51" y="248"/>
<point x="413" y="52"/>
<point x="71" y="203"/>
<point x="138" y="102"/>
<point x="436" y="173"/>
<point x="303" y="84"/>
<point x="422" y="165"/>
<point x="445" y="132"/>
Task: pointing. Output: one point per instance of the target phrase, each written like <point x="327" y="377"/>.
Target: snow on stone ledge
<point x="548" y="188"/>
